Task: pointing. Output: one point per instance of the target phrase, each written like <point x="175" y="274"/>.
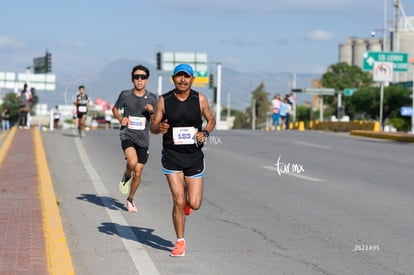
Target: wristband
<point x="206" y="133"/>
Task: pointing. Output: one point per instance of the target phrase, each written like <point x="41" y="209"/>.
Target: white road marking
<point x="136" y="250"/>
<point x="293" y="174"/>
<point x="313" y="145"/>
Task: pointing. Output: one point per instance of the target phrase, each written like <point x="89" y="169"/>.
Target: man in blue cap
<point x="178" y="117"/>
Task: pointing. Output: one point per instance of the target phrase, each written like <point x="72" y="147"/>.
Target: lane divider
<point x="57" y="251"/>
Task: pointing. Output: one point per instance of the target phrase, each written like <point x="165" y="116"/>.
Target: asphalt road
<point x="274" y="203"/>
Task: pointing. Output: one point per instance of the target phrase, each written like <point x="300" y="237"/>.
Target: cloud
<point x="7" y="42"/>
<point x="319" y="35"/>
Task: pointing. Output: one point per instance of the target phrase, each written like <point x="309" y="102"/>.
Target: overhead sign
<point x="398" y="59"/>
<point x="383" y="71"/>
<point x="319" y="91"/>
<point x="7" y="80"/>
<point x="198" y="61"/>
<point x="406" y="111"/>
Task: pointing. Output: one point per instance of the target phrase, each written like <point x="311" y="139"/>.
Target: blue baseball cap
<point x="183" y="68"/>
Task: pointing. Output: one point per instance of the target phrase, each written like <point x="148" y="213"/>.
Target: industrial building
<point x="399" y="39"/>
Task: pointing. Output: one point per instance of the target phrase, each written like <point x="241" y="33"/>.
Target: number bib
<point x="82" y="109"/>
<point x="183" y="135"/>
<point x="136" y="123"/>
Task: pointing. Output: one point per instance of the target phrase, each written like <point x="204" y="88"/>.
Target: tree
<point x="10" y="101"/>
<point x="342" y="76"/>
<point x="365" y="104"/>
<point x="261" y="98"/>
<point x="243" y="120"/>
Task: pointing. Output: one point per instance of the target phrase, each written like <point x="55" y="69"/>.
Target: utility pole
<point x="384" y="48"/>
<point x="218" y="104"/>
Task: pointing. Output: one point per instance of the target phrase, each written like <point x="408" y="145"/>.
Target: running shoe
<point x="125" y="184"/>
<point x="130" y="205"/>
<point x="187" y="209"/>
<point x="179" y="249"/>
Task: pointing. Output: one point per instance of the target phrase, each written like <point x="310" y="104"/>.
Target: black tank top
<point x="181" y="114"/>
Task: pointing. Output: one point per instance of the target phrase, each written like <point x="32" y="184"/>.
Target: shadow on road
<point x="141" y="234"/>
<point x="109" y="202"/>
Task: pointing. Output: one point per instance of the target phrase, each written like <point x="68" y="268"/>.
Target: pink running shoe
<point x="131" y="206"/>
<point x="179" y="249"/>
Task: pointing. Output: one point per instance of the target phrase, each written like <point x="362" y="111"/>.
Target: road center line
<point x="136" y="250"/>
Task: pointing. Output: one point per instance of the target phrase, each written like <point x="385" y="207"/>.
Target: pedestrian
<point x="82" y="106"/>
<point x="283" y="111"/>
<point x="75" y="119"/>
<point x="56" y="117"/>
<point x="138" y="108"/>
<point x="108" y="117"/>
<point x="24" y="107"/>
<point x="5" y="119"/>
<point x="274" y="108"/>
<point x="179" y="118"/>
<point x="289" y="111"/>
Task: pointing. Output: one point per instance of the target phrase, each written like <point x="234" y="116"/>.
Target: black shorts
<point x="142" y="152"/>
<point x="80" y="115"/>
<point x="191" y="164"/>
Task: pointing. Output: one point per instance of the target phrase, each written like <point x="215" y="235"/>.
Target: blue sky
<point x="248" y="36"/>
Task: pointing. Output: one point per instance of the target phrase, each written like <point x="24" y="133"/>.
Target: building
<point x="352" y="51"/>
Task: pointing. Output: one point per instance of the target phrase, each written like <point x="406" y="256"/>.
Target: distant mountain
<point x="115" y="77"/>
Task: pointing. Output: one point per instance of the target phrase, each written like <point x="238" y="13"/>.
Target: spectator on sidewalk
<point x="56" y="117"/>
<point x="5" y="119"/>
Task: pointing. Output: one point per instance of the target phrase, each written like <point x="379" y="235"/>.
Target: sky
<point x="300" y="36"/>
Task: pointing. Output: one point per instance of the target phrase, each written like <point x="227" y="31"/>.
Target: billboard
<point x="198" y="61"/>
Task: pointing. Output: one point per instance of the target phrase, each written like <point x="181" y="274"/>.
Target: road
<point x="274" y="203"/>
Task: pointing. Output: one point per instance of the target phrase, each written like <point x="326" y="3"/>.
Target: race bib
<point x="136" y="123"/>
<point x="82" y="109"/>
<point x="183" y="135"/>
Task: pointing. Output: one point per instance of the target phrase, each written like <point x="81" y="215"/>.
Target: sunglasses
<point x="139" y="76"/>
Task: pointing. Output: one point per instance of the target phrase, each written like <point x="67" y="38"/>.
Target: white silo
<point x="359" y="48"/>
<point x="406" y="44"/>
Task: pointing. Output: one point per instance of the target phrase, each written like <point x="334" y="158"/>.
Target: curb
<point x="396" y="136"/>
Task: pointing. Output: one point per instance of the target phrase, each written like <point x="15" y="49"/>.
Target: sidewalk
<point x="31" y="238"/>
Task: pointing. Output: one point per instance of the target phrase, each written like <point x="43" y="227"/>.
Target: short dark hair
<point x="80" y="87"/>
<point x="142" y="68"/>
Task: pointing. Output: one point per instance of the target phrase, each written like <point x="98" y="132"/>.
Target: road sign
<point x="406" y="111"/>
<point x="319" y="91"/>
<point x="349" y="92"/>
<point x="399" y="60"/>
<point x="383" y="71"/>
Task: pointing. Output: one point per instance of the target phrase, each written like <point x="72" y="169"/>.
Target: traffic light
<point x="211" y="81"/>
<point x="48" y="62"/>
<point x="159" y="65"/>
<point x="215" y="95"/>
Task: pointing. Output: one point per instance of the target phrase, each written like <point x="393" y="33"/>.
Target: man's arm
<point x="157" y="125"/>
<point x="208" y="115"/>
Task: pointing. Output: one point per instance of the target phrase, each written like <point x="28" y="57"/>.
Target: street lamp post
<point x="384" y="48"/>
